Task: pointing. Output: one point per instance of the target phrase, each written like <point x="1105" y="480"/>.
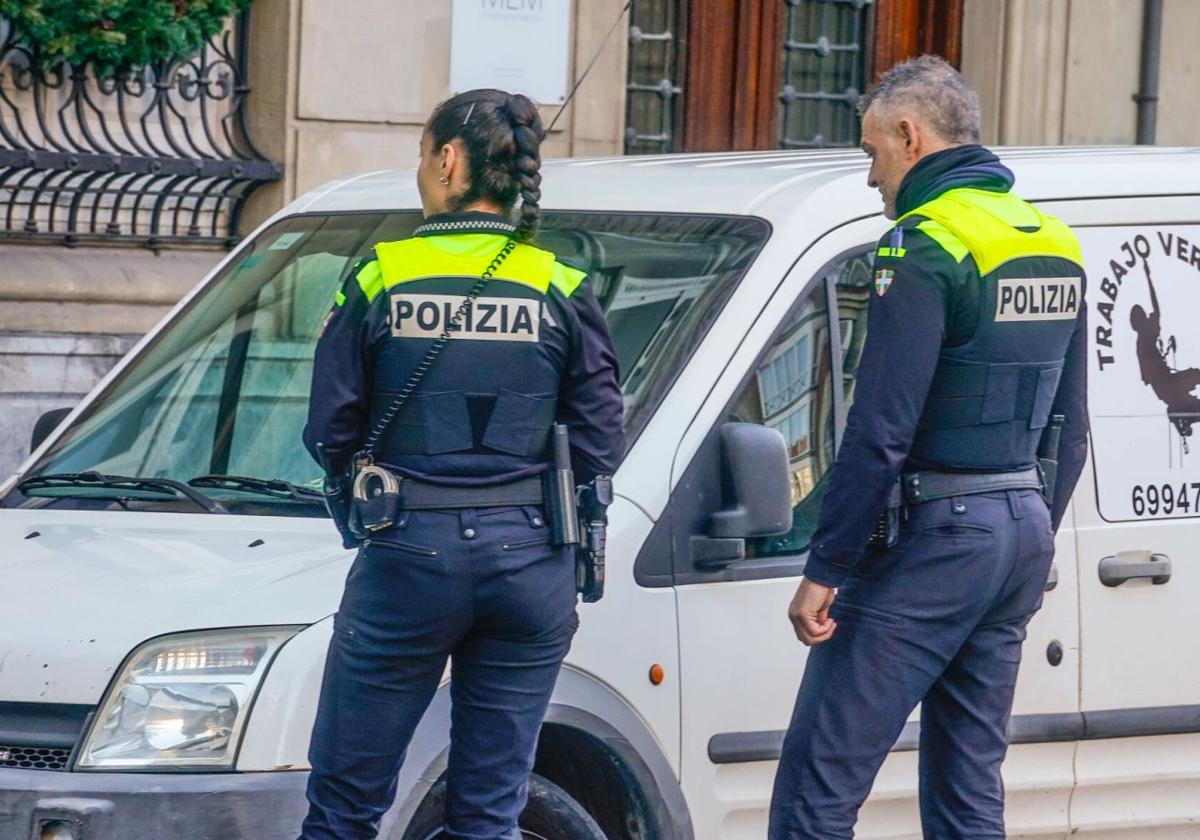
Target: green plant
<point x="115" y="35"/>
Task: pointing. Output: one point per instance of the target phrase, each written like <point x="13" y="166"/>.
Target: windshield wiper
<point x="92" y="478"/>
<point x="275" y="487"/>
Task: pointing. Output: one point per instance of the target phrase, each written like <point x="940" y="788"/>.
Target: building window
<point x="157" y="157"/>
<point x="653" y="91"/>
<point x="823" y="65"/>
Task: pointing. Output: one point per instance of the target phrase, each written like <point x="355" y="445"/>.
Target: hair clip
<point x="470" y="111"/>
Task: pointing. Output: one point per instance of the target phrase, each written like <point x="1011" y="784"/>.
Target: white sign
<point x="521" y="46"/>
<point x="1143" y="298"/>
<point x="486" y="319"/>
<point x="1038" y="299"/>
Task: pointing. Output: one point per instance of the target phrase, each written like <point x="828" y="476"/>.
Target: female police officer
<point x="467" y="571"/>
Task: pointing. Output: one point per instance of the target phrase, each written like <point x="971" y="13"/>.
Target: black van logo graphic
<point x="1158" y="363"/>
<point x="1144" y="367"/>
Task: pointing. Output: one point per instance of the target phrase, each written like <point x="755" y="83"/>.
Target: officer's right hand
<point x="809" y="612"/>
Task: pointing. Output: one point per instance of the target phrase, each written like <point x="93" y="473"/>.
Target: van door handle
<point x="1052" y="578"/>
<point x="1132" y="565"/>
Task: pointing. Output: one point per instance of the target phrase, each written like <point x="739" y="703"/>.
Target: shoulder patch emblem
<point x="883" y="280"/>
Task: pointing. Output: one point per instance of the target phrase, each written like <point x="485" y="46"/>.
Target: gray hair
<point x="930" y="86"/>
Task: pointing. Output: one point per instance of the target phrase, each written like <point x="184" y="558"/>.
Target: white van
<point x="163" y="641"/>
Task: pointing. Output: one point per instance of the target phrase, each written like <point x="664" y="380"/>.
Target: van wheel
<point x="550" y="814"/>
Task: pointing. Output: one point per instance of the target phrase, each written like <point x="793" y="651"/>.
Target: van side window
<point x="792" y="391"/>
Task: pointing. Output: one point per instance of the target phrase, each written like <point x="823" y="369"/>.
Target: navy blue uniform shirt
<point x="574" y="357"/>
<point x="906" y="328"/>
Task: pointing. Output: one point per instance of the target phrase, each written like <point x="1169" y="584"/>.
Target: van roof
<point x="781" y="185"/>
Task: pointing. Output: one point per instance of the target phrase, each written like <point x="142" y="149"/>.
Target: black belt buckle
<point x="376" y="498"/>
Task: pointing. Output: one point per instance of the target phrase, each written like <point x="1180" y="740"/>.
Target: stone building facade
<point x="1053" y="72"/>
<point x="344" y="88"/>
<point x="336" y="88"/>
<point x="339" y="87"/>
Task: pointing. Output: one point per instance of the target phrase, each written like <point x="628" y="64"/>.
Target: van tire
<point x="550" y="814"/>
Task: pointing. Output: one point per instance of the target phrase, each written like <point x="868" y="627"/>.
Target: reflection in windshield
<point x="793" y="392"/>
<point x="224" y="389"/>
<point x="661" y="281"/>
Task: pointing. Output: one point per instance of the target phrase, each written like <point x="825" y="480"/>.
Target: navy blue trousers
<point x="939" y="620"/>
<point x="483" y="588"/>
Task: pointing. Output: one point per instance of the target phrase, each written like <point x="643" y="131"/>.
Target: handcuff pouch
<point x="375" y="500"/>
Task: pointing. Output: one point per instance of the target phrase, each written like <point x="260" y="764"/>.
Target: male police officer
<point x="976" y="338"/>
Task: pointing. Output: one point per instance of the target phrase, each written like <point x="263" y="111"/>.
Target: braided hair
<point x="501" y="134"/>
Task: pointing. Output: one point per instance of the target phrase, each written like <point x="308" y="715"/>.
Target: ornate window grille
<point x="653" y="90"/>
<point x="823" y="67"/>
<point x="158" y="158"/>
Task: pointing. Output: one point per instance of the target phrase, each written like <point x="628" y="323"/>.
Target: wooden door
<point x="766" y="74"/>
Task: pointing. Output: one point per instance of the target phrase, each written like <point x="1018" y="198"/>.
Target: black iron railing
<point x="157" y="158"/>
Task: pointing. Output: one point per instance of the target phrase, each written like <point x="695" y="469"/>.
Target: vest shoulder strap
<point x="989" y="226"/>
<point x="462" y="255"/>
<point x="940" y="234"/>
<point x="369" y="279"/>
<point x="566" y="279"/>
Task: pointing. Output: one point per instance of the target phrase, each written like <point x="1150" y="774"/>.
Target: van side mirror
<point x="46" y="424"/>
<point x="757" y="492"/>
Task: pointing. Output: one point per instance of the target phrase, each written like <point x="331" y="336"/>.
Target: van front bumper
<point x="152" y="806"/>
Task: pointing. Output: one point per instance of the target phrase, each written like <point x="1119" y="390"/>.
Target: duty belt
<point x="927" y="486"/>
<point x="420" y="495"/>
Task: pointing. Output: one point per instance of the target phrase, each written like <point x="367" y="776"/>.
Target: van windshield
<point x="223" y="389"/>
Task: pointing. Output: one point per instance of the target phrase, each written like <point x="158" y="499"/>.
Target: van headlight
<point x="181" y="702"/>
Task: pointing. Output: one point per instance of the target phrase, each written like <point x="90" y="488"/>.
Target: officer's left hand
<point x="809" y="612"/>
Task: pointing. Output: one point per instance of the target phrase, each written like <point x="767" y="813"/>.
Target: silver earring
<point x="445" y="182"/>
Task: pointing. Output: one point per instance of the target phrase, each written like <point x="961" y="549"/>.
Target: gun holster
<point x="1047" y="455"/>
<point x="577" y="516"/>
<point x="338" y="498"/>
<point x="887" y="527"/>
<point x="592" y="501"/>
